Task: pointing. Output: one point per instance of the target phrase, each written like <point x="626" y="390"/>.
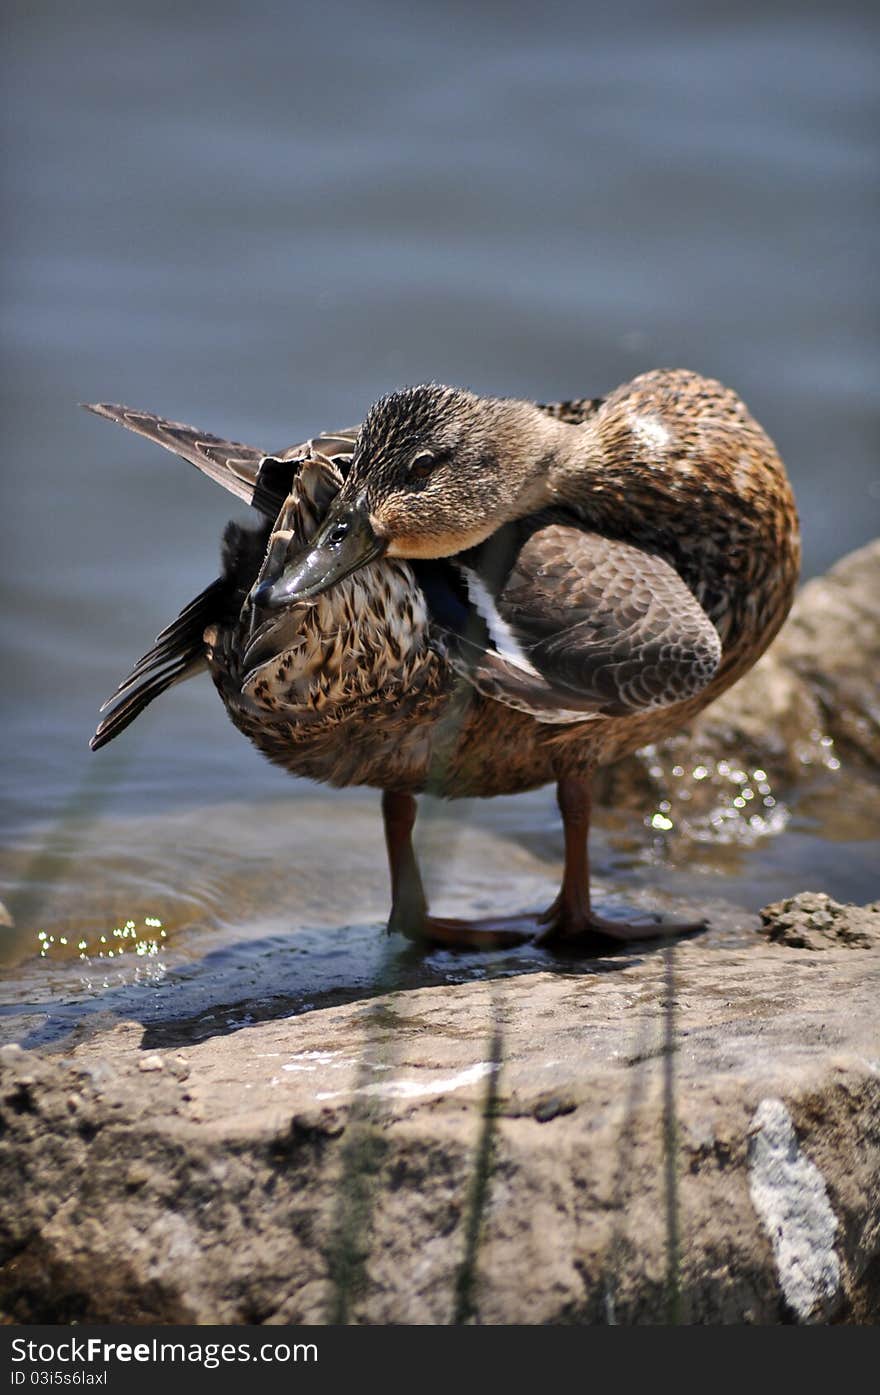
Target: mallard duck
<point x="478" y="596"/>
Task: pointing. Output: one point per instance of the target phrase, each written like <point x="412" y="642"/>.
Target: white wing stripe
<point x="500" y="632"/>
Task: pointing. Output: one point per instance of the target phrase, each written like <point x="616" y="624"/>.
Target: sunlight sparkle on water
<point x="723" y="800"/>
<point x="123" y="939"/>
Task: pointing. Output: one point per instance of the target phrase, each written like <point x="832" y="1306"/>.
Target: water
<point x="258" y="219"/>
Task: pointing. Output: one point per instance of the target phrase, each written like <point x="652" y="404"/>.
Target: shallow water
<point x="258" y="226"/>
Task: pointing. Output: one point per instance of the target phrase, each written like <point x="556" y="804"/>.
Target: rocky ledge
<point x="690" y="1134"/>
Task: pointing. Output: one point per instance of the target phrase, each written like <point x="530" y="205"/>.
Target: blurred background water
<point x="257" y="218"/>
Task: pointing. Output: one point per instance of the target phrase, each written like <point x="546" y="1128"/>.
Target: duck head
<point x="435" y="471"/>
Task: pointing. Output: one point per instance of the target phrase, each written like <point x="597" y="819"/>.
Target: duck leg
<point x="570" y="921"/>
<point x="409" y="905"/>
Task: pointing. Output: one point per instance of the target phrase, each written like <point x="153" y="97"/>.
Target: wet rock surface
<point x="681" y="1135"/>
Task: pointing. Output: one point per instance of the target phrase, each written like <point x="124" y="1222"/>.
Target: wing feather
<point x="179" y="653"/>
<point x="608" y="628"/>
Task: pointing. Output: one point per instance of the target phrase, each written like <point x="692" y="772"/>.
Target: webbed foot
<point x="493" y="932"/>
<point x="584" y="932"/>
<point x="587" y="931"/>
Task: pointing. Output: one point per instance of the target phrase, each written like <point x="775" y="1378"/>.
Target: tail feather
<point x="178" y="654"/>
<point x="132" y="706"/>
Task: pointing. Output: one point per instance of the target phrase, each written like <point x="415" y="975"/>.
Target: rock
<point x="812" y="920"/>
<point x="831" y="645"/>
<point x="681" y="1135"/>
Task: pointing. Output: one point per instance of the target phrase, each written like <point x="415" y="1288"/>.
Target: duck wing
<point x="265" y="482"/>
<point x="260" y="479"/>
<point x="582" y="626"/>
<point x="178" y="653"/>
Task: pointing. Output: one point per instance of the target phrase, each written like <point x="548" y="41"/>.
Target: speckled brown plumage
<point x="612" y="565"/>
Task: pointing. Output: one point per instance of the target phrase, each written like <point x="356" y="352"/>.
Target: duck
<point x="477" y="596"/>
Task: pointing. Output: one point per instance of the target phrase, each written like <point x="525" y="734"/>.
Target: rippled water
<point x="258" y="224"/>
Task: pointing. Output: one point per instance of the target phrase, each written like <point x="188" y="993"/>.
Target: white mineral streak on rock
<point x="415" y="1089"/>
<point x="311" y="1060"/>
<point x="789" y="1194"/>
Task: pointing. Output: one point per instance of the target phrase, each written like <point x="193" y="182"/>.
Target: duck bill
<point x="345" y="542"/>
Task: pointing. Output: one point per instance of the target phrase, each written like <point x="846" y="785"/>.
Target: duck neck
<point x="547" y="457"/>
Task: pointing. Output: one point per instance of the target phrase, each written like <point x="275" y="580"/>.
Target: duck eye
<point x="422" y="465"/>
<point x="425" y="463"/>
